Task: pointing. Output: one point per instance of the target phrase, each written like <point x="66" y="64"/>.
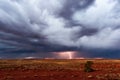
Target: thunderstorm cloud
<point x="40" y="27"/>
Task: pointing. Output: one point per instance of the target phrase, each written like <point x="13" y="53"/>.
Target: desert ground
<point x="61" y="69"/>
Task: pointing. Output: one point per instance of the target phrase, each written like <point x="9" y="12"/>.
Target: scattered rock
<point x="90" y="76"/>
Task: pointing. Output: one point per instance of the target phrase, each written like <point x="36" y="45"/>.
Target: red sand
<point x="104" y="71"/>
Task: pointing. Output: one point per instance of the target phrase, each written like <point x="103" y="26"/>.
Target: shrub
<point x="88" y="66"/>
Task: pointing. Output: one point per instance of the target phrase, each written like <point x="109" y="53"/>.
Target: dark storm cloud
<point x="71" y="6"/>
<point x="100" y="53"/>
<point x="58" y="25"/>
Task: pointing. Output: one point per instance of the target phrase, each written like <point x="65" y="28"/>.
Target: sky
<point x="41" y="28"/>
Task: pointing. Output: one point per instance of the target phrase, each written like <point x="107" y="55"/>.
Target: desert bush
<point x="88" y="66"/>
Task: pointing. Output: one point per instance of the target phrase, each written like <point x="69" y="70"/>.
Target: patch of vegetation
<point x="88" y="66"/>
<point x="108" y="76"/>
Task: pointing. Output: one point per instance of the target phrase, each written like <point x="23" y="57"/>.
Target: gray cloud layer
<point x="48" y="25"/>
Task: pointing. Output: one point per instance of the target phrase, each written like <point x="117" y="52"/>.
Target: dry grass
<point x="57" y="64"/>
<point x="104" y="69"/>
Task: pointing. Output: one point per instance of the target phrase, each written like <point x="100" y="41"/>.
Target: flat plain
<point x="59" y="69"/>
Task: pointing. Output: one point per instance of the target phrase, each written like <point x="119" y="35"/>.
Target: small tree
<point x="88" y="66"/>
